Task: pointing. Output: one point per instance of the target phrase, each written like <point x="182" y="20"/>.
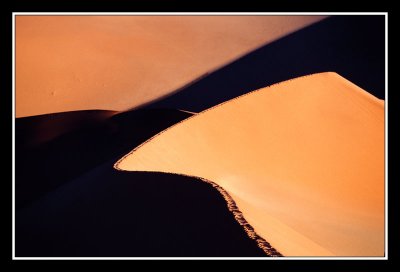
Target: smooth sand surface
<point x="66" y="63"/>
<point x="303" y="159"/>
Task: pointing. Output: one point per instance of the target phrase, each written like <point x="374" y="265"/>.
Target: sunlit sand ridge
<point x="67" y="63"/>
<point x="303" y="160"/>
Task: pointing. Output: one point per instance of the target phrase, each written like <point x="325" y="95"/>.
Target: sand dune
<point x="70" y="144"/>
<point x="303" y="160"/>
<point x="67" y="63"/>
<point x="333" y="44"/>
<point x="36" y="130"/>
<point x="71" y="202"/>
<point x="109" y="213"/>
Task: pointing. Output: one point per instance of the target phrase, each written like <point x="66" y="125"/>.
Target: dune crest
<point x="302" y="159"/>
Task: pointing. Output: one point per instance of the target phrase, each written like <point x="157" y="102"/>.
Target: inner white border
<point x="14" y="14"/>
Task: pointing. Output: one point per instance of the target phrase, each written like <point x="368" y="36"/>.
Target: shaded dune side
<point x="352" y="46"/>
<point x="107" y="213"/>
<point x="237" y="214"/>
<point x="146" y="158"/>
<point x="36" y="130"/>
<point x="71" y="143"/>
<point x="261" y="242"/>
<point x="63" y="210"/>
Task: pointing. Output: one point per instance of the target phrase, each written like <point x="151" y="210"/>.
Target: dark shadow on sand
<point x="352" y="46"/>
<point x="131" y="214"/>
<point x="72" y="202"/>
<point x="81" y="144"/>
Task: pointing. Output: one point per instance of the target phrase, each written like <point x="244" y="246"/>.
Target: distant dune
<point x="71" y="143"/>
<point x="68" y="63"/>
<point x="352" y="46"/>
<point x="36" y="130"/>
<point x="302" y="159"/>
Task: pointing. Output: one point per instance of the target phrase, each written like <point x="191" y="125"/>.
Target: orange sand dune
<point x="66" y="63"/>
<point x="303" y="159"/>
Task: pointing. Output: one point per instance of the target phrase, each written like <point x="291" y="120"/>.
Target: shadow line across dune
<point x="352" y="46"/>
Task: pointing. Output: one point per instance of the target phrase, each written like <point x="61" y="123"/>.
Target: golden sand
<point x="303" y="160"/>
<point x="67" y="63"/>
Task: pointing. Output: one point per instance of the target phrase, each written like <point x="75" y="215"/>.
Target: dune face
<point x="67" y="63"/>
<point x="303" y="160"/>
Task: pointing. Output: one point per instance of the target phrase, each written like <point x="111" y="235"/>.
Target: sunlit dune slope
<point x="303" y="159"/>
<point x="66" y="63"/>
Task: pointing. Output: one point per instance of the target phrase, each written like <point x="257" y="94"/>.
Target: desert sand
<point x="69" y="63"/>
<point x="303" y="160"/>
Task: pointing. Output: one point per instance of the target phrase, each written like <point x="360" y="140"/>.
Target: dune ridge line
<point x="231" y="204"/>
<point x="312" y="247"/>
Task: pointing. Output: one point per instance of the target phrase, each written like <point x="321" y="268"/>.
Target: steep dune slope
<point x="303" y="160"/>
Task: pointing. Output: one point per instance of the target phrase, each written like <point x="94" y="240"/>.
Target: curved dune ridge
<point x="302" y="159"/>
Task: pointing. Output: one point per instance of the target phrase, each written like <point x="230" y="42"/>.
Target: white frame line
<point x="14" y="14"/>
